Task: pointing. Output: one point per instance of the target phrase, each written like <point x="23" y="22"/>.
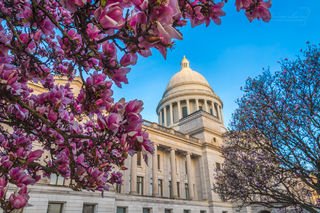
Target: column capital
<point x="172" y="149"/>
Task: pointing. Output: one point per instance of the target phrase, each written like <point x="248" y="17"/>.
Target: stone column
<point x="165" y="115"/>
<point x="190" y="176"/>
<point x="179" y="110"/>
<point x="133" y="180"/>
<point x="188" y="107"/>
<point x="221" y="115"/>
<point x="197" y="104"/>
<point x="155" y="171"/>
<point x="171" y="113"/>
<point x="173" y="173"/>
<point x="216" y="108"/>
<point x="206" y="105"/>
<point x="159" y="118"/>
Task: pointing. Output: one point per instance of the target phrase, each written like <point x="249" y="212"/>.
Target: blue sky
<point x="228" y="54"/>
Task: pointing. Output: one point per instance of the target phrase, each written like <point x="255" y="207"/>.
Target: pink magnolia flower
<point x="93" y="31"/>
<point x="72" y="5"/>
<point x="110" y="17"/>
<point x="120" y="75"/>
<point x="141" y="4"/>
<point x="260" y="12"/>
<point x="217" y="12"/>
<point x="113" y="121"/>
<point x="167" y="32"/>
<point x="18" y="202"/>
<point x="129" y="59"/>
<point x="34" y="155"/>
<point x="243" y="4"/>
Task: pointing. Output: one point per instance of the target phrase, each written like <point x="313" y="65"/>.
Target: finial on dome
<point x="184" y="63"/>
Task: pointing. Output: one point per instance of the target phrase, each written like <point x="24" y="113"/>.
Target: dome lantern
<point x="184" y="64"/>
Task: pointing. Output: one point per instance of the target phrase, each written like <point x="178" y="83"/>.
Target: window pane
<point x="160" y="187"/>
<point x="53" y="179"/>
<point x="55" y="208"/>
<point x="167" y="211"/>
<point x="178" y="188"/>
<point x="159" y="162"/>
<point x="118" y="187"/>
<point x="60" y="180"/>
<point x="151" y="187"/>
<point x="140" y="185"/>
<point x="184" y="111"/>
<point x="186" y="190"/>
<point x="139" y="158"/>
<point x="121" y="210"/>
<point x="146" y="210"/>
<point x="88" y="208"/>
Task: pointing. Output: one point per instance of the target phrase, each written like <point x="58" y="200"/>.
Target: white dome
<point x="187" y="76"/>
<point x="187" y="79"/>
<point x="188" y="92"/>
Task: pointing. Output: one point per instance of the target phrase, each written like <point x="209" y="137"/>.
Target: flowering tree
<point x="82" y="137"/>
<point x="272" y="151"/>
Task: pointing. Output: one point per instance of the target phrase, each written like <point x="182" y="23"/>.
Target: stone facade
<point x="178" y="177"/>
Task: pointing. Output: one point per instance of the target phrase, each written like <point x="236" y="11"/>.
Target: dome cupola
<point x="187" y="92"/>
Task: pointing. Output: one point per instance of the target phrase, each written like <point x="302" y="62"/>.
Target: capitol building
<point x="179" y="176"/>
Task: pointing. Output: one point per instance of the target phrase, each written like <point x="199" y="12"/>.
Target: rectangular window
<point x="211" y="111"/>
<point x="140" y="185"/>
<point x="203" y="211"/>
<point x="170" y="189"/>
<point x="162" y="117"/>
<point x="200" y="108"/>
<point x="186" y="211"/>
<point x="186" y="188"/>
<point x="56" y="180"/>
<point x="158" y="162"/>
<point x="168" y="116"/>
<point x="88" y="208"/>
<point x="218" y="166"/>
<point x="184" y="112"/>
<point x="185" y="166"/>
<point x="55" y="207"/>
<point x="178" y="188"/>
<point x="121" y="209"/>
<point x="146" y="210"/>
<point x="139" y="159"/>
<point x="160" y="187"/>
<point x="118" y="187"/>
<point x="224" y="211"/>
<point x="151" y="187"/>
<point x="168" y="211"/>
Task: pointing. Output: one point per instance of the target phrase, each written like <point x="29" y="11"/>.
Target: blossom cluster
<point x="272" y="151"/>
<point x="83" y="137"/>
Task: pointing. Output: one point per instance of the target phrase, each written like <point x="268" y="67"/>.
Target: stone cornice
<point x="162" y="200"/>
<point x="172" y="136"/>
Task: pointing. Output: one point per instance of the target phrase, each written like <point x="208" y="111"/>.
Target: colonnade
<point x="155" y="192"/>
<point x="174" y="111"/>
